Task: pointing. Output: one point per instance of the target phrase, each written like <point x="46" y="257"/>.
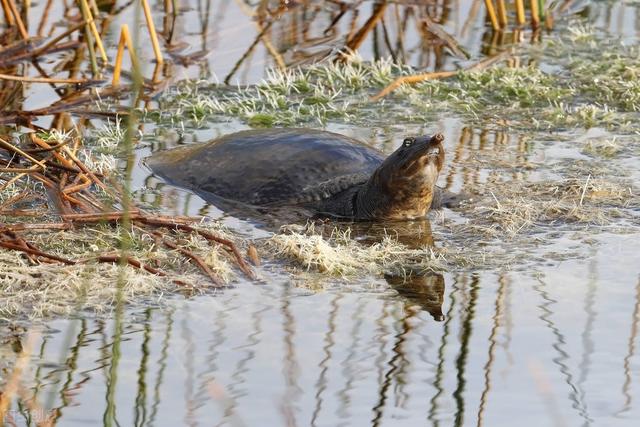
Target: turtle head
<point x="403" y="185"/>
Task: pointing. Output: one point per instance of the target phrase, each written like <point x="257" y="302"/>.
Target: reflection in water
<point x="162" y="365"/>
<point x="588" y="346"/>
<point x="394" y="371"/>
<point x="434" y="413"/>
<point x="631" y="350"/>
<point x="273" y="355"/>
<point x="493" y="342"/>
<point x="563" y="358"/>
<point x="424" y="289"/>
<point x="329" y="341"/>
<point x="111" y="369"/>
<point x="290" y="362"/>
<point x="461" y="360"/>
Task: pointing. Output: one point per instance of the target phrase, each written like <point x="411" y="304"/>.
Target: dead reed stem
<point x="196" y="259"/>
<point x="492" y="14"/>
<point x="152" y="31"/>
<point x="354" y="42"/>
<point x="56" y="39"/>
<point x="86" y="12"/>
<point x="520" y="18"/>
<point x="125" y="40"/>
<point x="13" y="382"/>
<point x="15" y="149"/>
<point x="502" y="13"/>
<point x="36" y="252"/>
<point x="413" y="79"/>
<point x="535" y="14"/>
<point x="8" y="14"/>
<point x="18" y="19"/>
<point x="41" y="79"/>
<point x="487" y="62"/>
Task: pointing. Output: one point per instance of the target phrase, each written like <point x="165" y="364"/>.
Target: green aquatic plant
<point x="577" y="78"/>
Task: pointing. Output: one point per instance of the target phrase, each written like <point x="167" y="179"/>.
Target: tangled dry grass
<point x="37" y="289"/>
<point x="340" y="255"/>
<point x="517" y="206"/>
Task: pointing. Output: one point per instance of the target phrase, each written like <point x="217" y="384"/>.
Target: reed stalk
<point x="8" y="15"/>
<point x="535" y="14"/>
<point x="18" y="19"/>
<point x="502" y="13"/>
<point x="89" y="39"/>
<point x="125" y="40"/>
<point x="491" y="11"/>
<point x="152" y="31"/>
<point x="40" y="79"/>
<point x="88" y="17"/>
<point x="520" y="17"/>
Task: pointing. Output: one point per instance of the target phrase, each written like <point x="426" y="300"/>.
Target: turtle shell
<point x="261" y="167"/>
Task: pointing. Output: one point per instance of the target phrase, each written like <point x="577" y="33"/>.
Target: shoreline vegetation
<point x="73" y="238"/>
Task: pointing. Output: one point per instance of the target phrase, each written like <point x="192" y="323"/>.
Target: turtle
<point x="324" y="172"/>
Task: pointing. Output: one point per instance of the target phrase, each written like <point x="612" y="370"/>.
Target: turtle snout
<point x="438" y="138"/>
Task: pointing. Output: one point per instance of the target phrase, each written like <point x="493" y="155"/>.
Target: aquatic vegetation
<point x="44" y="289"/>
<point x="110" y="136"/>
<point x="520" y="205"/>
<point x="340" y="255"/>
<point x="604" y="147"/>
<point x="586" y="87"/>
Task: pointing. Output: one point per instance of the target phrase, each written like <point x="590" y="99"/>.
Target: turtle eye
<point x="408" y="141"/>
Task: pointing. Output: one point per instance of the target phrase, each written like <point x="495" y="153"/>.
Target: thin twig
<point x="584" y="190"/>
<point x="16" y="247"/>
<point x="18" y="19"/>
<point x="46" y="80"/>
<point x="487" y="62"/>
<point x="195" y="258"/>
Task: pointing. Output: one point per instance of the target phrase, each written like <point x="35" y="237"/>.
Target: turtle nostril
<point x="437" y="138"/>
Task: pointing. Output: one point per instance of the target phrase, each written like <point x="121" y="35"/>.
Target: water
<point x="548" y="340"/>
<point x="555" y="345"/>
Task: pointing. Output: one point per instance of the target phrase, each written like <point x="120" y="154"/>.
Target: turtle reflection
<point x="423" y="289"/>
<point x="416" y="286"/>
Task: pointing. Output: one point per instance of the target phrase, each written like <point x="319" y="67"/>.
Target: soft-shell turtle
<point x="325" y="172"/>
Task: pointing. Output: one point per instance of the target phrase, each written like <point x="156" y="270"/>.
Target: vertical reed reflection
<point x="189" y="368"/>
<point x="140" y="411"/>
<point x="329" y="342"/>
<point x="465" y="338"/>
<point x="109" y="417"/>
<point x="498" y="315"/>
<point x="70" y="366"/>
<point x="162" y="366"/>
<point x="349" y="364"/>
<point x="290" y="362"/>
<point x="381" y="337"/>
<point x="237" y="377"/>
<point x="559" y="346"/>
<point x="588" y="345"/>
<point x="38" y="383"/>
<point x="631" y="350"/>
<point x="396" y="366"/>
<point x="433" y="415"/>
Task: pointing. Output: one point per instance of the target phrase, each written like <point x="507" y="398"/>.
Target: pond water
<point x="551" y="345"/>
<point x="550" y="339"/>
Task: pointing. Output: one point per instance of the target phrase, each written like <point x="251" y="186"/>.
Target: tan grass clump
<point x="47" y="289"/>
<point x="340" y="255"/>
<point x="42" y="289"/>
<point x="520" y="205"/>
